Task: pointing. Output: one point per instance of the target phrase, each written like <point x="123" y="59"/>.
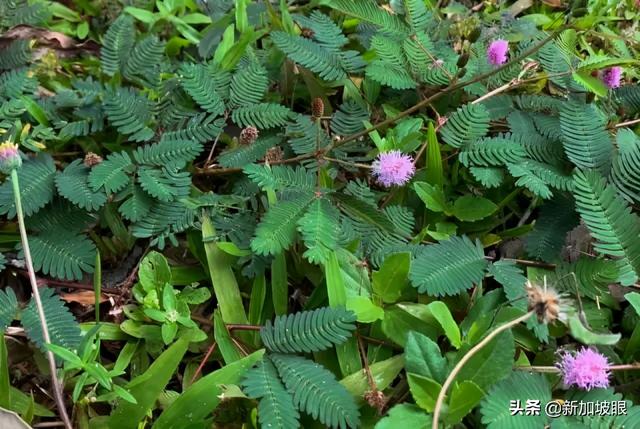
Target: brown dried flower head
<point x="91" y="159"/>
<point x="248" y="135"/>
<point x="308" y="33"/>
<point x="275" y="154"/>
<point x="317" y="108"/>
<point x="547" y="303"/>
<point x="376" y="399"/>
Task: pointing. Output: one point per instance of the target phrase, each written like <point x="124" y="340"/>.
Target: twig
<point x="347" y="163"/>
<point x="55" y="382"/>
<point x="526" y="263"/>
<point x="511" y="84"/>
<point x="204" y="361"/>
<point x="238" y="327"/>
<point x="71" y="285"/>
<point x="624" y="124"/>
<point x="215" y="142"/>
<point x="466" y="358"/>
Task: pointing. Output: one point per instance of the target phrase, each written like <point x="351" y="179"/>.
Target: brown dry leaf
<point x="84" y="297"/>
<point x="59" y="42"/>
<point x="553" y="3"/>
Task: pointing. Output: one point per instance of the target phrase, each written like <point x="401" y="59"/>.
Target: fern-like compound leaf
<point x="73" y="184"/>
<point x="8" y="308"/>
<point x="62" y="255"/>
<point x="625" y="171"/>
<point x="262" y="115"/>
<point x="369" y="11"/>
<point x="349" y="119"/>
<point x="36" y="179"/>
<point x="111" y="174"/>
<point x="417" y="15"/>
<point x="449" y="267"/>
<point x="610" y="221"/>
<point x="305" y="136"/>
<point x="198" y="82"/>
<point x="493" y="151"/>
<point x="277" y="229"/>
<point x="316" y="391"/>
<point x="310" y="55"/>
<point x="249" y="85"/>
<point x="308" y="331"/>
<point x="320" y="229"/>
<point x="280" y="177"/>
<point x="136" y="207"/>
<point x="275" y="409"/>
<point x="246" y="154"/>
<point x="130" y="112"/>
<point x="324" y="30"/>
<point x="63" y="328"/>
<point x="117" y="44"/>
<point x="519" y="386"/>
<point x="15" y="83"/>
<point x="465" y="125"/>
<point x="168" y="153"/>
<point x="143" y="63"/>
<point x="557" y="218"/>
<point x="585" y="137"/>
<point x="201" y="128"/>
<point x="165" y="185"/>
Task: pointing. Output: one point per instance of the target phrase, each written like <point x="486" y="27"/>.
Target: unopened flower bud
<point x="9" y="157"/>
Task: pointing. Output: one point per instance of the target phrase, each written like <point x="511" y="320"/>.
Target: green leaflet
<point x="147" y="387"/>
<point x="223" y="279"/>
<point x="202" y="397"/>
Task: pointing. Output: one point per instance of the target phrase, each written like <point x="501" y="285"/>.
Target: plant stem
<point x="56" y="385"/>
<point x="466" y="358"/>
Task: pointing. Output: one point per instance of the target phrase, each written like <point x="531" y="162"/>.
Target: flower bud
<point x="9" y="157"/>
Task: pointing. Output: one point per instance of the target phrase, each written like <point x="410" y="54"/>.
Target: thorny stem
<point x="466" y="358"/>
<point x="55" y="383"/>
<point x="347" y="163"/>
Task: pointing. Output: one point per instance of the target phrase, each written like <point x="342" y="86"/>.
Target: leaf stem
<point x="466" y="358"/>
<point x="56" y="385"/>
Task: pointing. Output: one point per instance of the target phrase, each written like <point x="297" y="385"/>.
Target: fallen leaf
<point x="84" y="297"/>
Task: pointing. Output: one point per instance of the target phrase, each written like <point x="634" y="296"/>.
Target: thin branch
<point x="347" y="163"/>
<point x="238" y="327"/>
<point x="466" y="358"/>
<point x="203" y="361"/>
<point x="627" y="123"/>
<point x="55" y="382"/>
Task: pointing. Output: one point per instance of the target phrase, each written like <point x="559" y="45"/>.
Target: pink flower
<point x="9" y="157"/>
<point x="587" y="369"/>
<point x="393" y="168"/>
<point x="497" y="52"/>
<point x="611" y="77"/>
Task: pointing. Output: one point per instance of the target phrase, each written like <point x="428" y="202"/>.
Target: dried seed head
<point x="248" y="135"/>
<point x="91" y="159"/>
<point x="548" y="304"/>
<point x="376" y="399"/>
<point x="317" y="107"/>
<point x="308" y="33"/>
<point x="275" y="154"/>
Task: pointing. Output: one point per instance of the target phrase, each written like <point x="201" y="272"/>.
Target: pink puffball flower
<point x="497" y="52"/>
<point x="612" y="76"/>
<point x="9" y="157"/>
<point x="393" y="168"/>
<point x="586" y="369"/>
